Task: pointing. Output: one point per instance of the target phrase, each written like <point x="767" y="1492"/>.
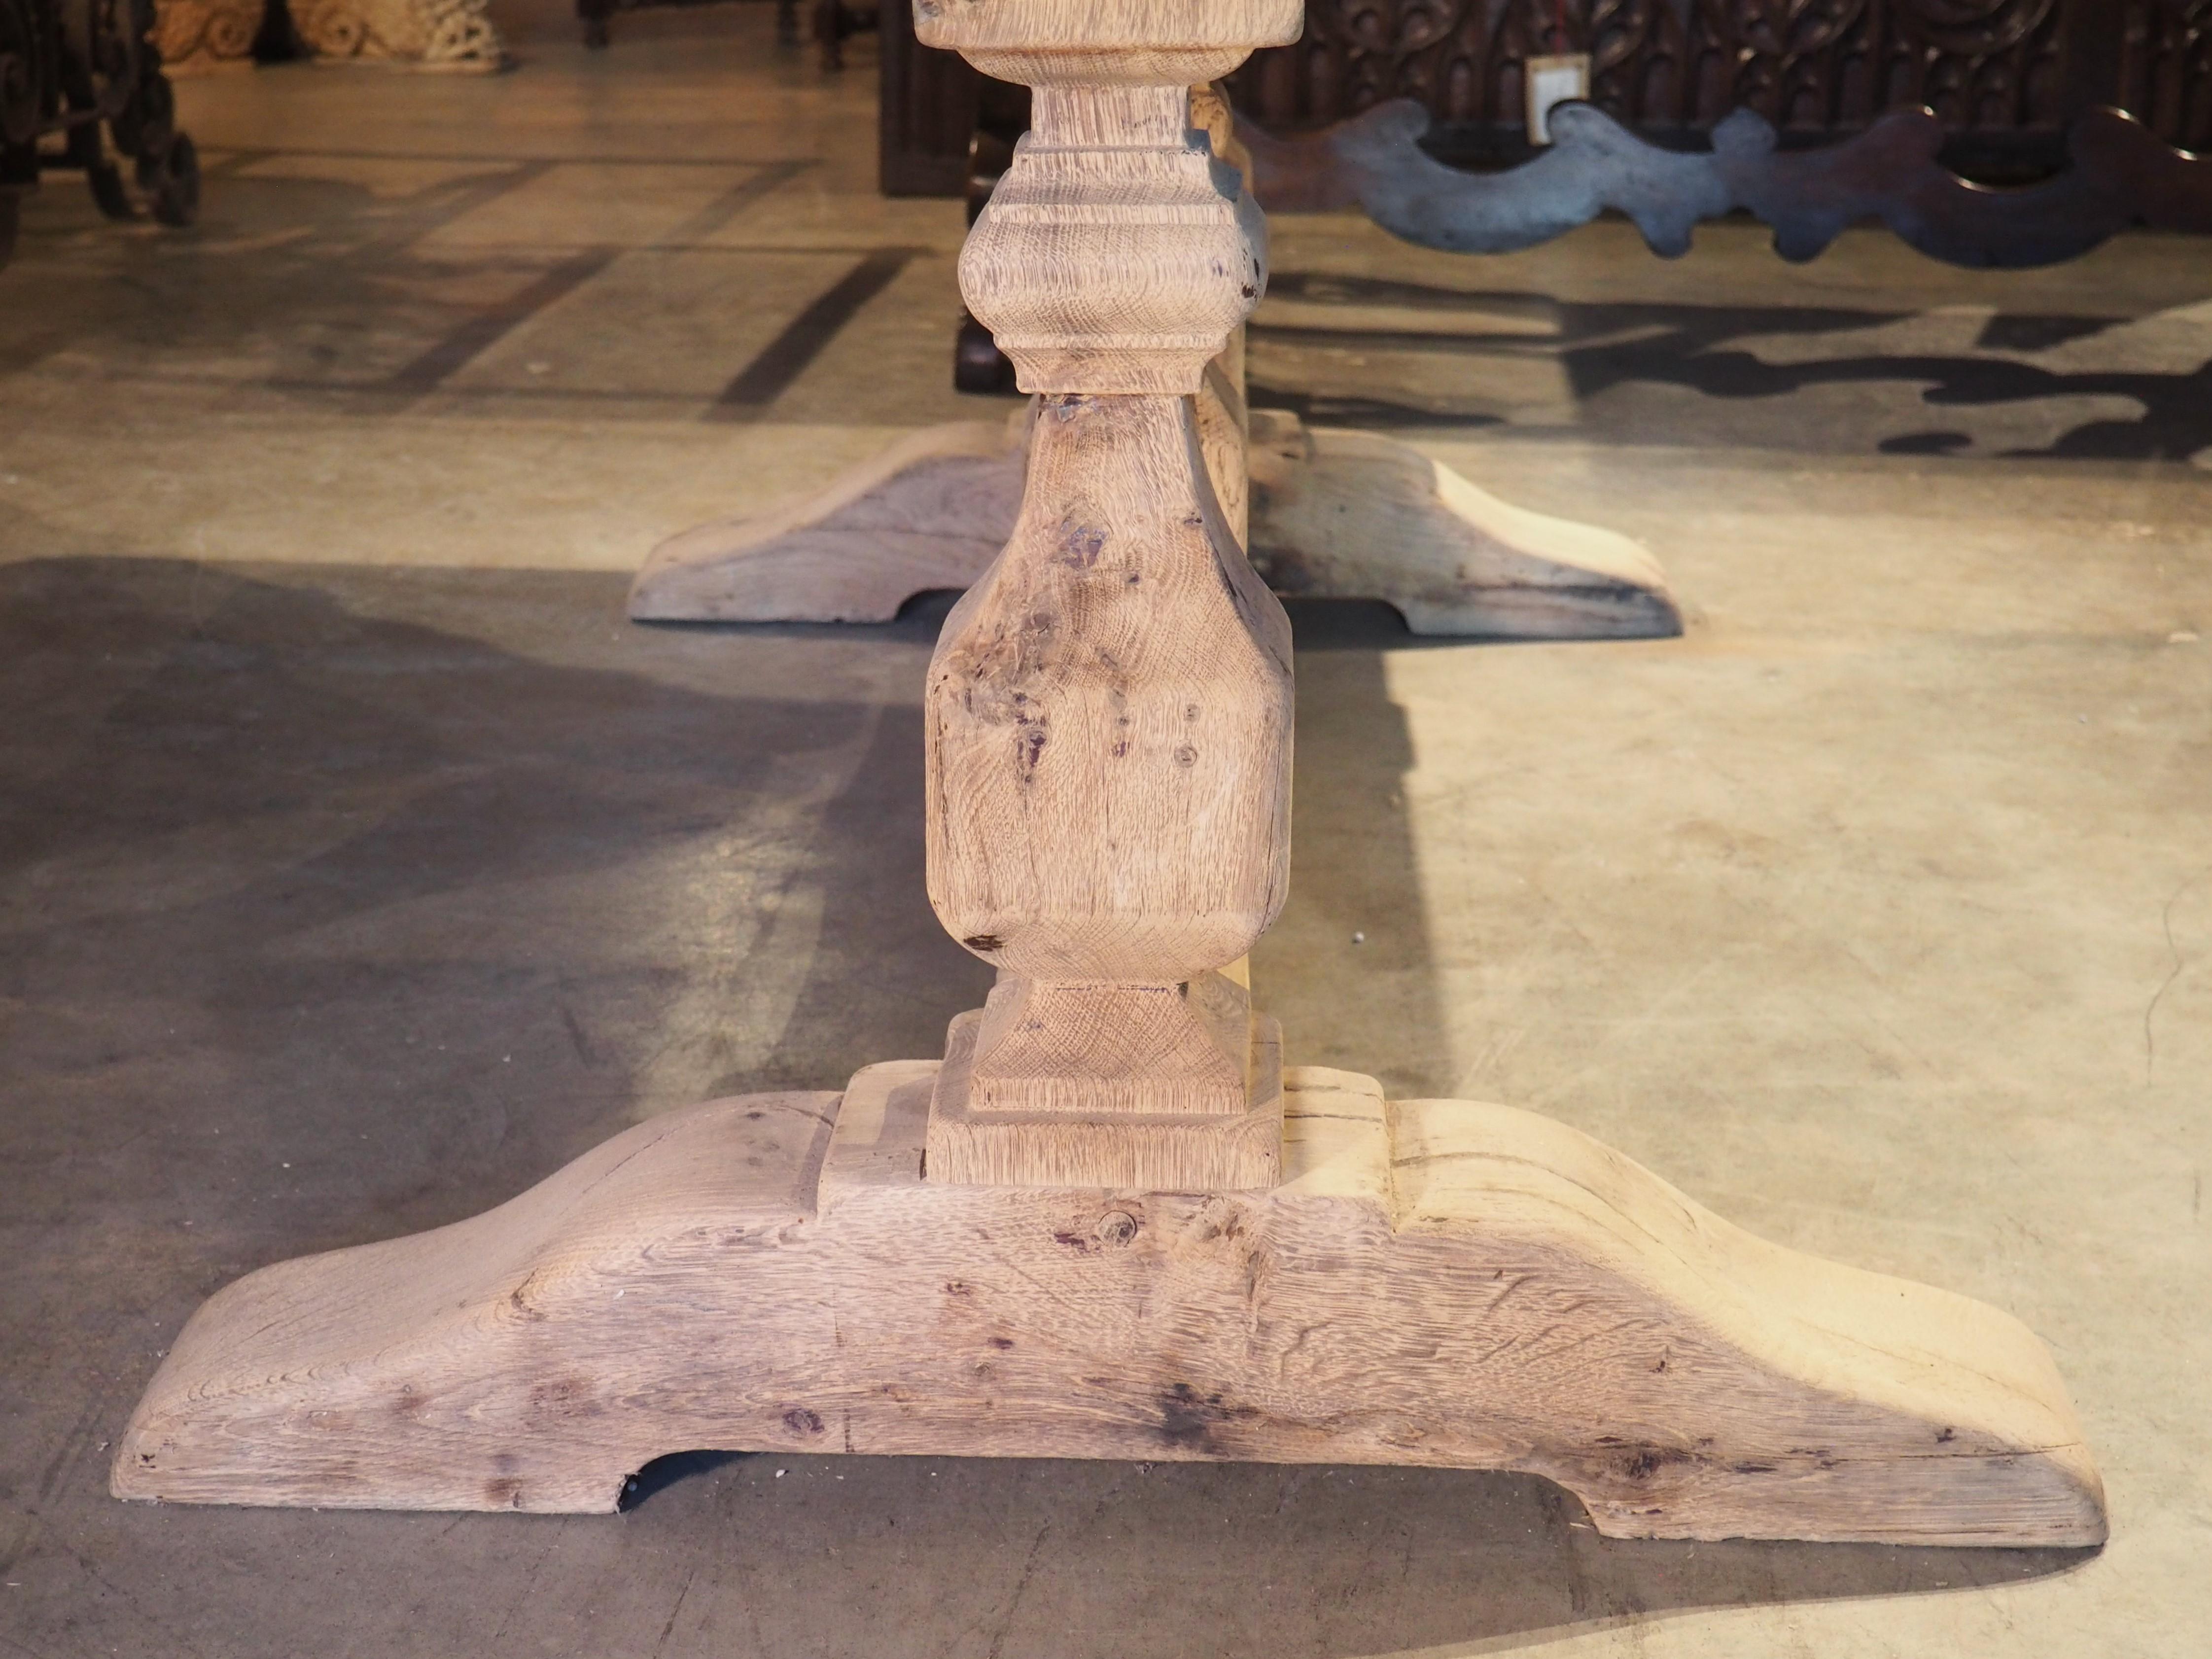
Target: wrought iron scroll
<point x="71" y="69"/>
<point x="2119" y="173"/>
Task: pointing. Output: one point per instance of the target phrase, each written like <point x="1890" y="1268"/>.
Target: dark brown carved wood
<point x="2006" y="78"/>
<point x="928" y="113"/>
<point x="2165" y="68"/>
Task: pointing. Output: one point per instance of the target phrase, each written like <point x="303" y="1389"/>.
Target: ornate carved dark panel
<point x="927" y="114"/>
<point x="2005" y="77"/>
<point x="2165" y="68"/>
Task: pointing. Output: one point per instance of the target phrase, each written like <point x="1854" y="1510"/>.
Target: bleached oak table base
<point x="1432" y="1282"/>
<point x="1110" y="1223"/>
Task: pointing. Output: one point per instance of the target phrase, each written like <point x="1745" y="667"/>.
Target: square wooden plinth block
<point x="1143" y="1152"/>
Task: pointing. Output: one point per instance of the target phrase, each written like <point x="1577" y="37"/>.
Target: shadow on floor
<point x="369" y="921"/>
<point x="320" y="923"/>
<point x="1349" y="967"/>
<point x="1078" y="1559"/>
<point x="430" y="913"/>
<point x="1605" y="349"/>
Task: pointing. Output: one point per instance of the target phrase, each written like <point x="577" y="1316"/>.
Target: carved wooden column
<point x="1109" y="707"/>
<point x="1339" y="514"/>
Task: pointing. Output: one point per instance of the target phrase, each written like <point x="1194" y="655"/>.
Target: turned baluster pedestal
<point x="1111" y="1221"/>
<point x="1332" y="515"/>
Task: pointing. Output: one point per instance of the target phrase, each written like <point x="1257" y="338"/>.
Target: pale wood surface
<point x="1223" y="419"/>
<point x="1106" y="723"/>
<point x="1432" y="1282"/>
<point x="1173" y="1256"/>
<point x="1112" y="42"/>
<point x="1115" y="254"/>
<point x="1107" y="726"/>
<point x="448" y="36"/>
<point x="1152" y="1147"/>
<point x="1108" y="718"/>
<point x="1113" y="1048"/>
<point x="1459" y="561"/>
<point x="1104" y="26"/>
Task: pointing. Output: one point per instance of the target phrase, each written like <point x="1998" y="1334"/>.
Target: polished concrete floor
<point x="359" y="864"/>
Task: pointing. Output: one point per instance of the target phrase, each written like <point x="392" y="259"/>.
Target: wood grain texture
<point x="1109" y="711"/>
<point x="1432" y="1282"/>
<point x="1116" y="253"/>
<point x="1158" y="1143"/>
<point x="1107" y="42"/>
<point x="1108" y="723"/>
<point x="1110" y="1224"/>
<point x="1224" y="417"/>
<point x="1109" y="1049"/>
<point x="1108" y="717"/>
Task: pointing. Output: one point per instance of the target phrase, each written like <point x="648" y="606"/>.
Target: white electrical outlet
<point x="1553" y="80"/>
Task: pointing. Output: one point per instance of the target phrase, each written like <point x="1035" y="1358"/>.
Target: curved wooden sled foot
<point x="1356" y="515"/>
<point x="1434" y="1282"/>
<point x="931" y="512"/>
<point x="1334" y="515"/>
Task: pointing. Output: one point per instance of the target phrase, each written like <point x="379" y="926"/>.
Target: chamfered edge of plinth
<point x="1145" y="1152"/>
